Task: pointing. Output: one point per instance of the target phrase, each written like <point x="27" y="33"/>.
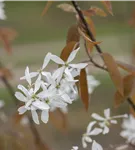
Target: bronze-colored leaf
<point x="118" y="99"/>
<point x="127" y="67"/>
<point x="68" y="49"/>
<point x="84" y="88"/>
<point x="86" y="37"/>
<point x="113" y="71"/>
<point x="4" y="72"/>
<point x="6" y="36"/>
<point x="59" y="119"/>
<point x="108" y="6"/>
<point x="98" y="11"/>
<point x="94" y="11"/>
<point x="47" y="6"/>
<point x="128" y="83"/>
<point x="132" y="97"/>
<point x="73" y="34"/>
<point x="67" y="7"/>
<point x="91" y="25"/>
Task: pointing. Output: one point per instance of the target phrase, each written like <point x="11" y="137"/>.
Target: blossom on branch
<point x="51" y="90"/>
<point x="107" y="120"/>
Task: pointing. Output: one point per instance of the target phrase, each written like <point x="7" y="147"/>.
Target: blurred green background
<point x="38" y="35"/>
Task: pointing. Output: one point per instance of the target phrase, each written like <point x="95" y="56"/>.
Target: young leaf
<point x="98" y="11"/>
<point x="108" y="6"/>
<point x="73" y="34"/>
<point x="6" y="36"/>
<point x="127" y="67"/>
<point x="113" y="71"/>
<point x="91" y="25"/>
<point x="94" y="11"/>
<point x="84" y="88"/>
<point x="67" y="7"/>
<point x="118" y="99"/>
<point x="47" y="6"/>
<point x="86" y="37"/>
<point x="128" y="83"/>
<point x="68" y="49"/>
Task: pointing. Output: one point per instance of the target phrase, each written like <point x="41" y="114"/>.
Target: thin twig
<point x="92" y="61"/>
<point x="80" y="14"/>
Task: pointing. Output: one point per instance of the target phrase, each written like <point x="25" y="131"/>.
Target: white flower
<point x="96" y="146"/>
<point x="51" y="90"/>
<point x="89" y="132"/>
<point x="67" y="64"/>
<point x="41" y="71"/>
<point x="128" y="132"/>
<point x="2" y="12"/>
<point x="2" y="103"/>
<point x="75" y="148"/>
<point x="92" y="83"/>
<point x="32" y="102"/>
<point x="105" y="121"/>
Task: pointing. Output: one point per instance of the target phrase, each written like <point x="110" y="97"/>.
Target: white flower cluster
<point x="50" y="90"/>
<point x="103" y="123"/>
<point x="128" y="132"/>
<point x="2" y="11"/>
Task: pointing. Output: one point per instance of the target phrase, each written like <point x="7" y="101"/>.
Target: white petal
<point x="32" y="75"/>
<point x="22" y="110"/>
<point x="78" y="66"/>
<point x="41" y="105"/>
<point x="88" y="139"/>
<point x="57" y="60"/>
<point x="27" y="75"/>
<point x="107" y="113"/>
<point x="57" y="102"/>
<point x="28" y="103"/>
<point x="97" y="117"/>
<point x="84" y="144"/>
<point x="72" y="55"/>
<point x="89" y="127"/>
<point x="68" y="73"/>
<point x="74" y="148"/>
<point x="23" y="89"/>
<point x="96" y="146"/>
<point x="121" y="116"/>
<point x="35" y="116"/>
<point x="45" y="116"/>
<point x="96" y="131"/>
<point x="20" y="96"/>
<point x="106" y="130"/>
<point x="66" y="98"/>
<point x="58" y="73"/>
<point x="113" y="121"/>
<point x="46" y="60"/>
<point x="37" y="84"/>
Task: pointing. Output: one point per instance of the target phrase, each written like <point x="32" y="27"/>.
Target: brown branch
<point x="81" y="16"/>
<point x="92" y="61"/>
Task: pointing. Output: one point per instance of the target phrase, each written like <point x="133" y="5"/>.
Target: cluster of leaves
<point x="124" y="85"/>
